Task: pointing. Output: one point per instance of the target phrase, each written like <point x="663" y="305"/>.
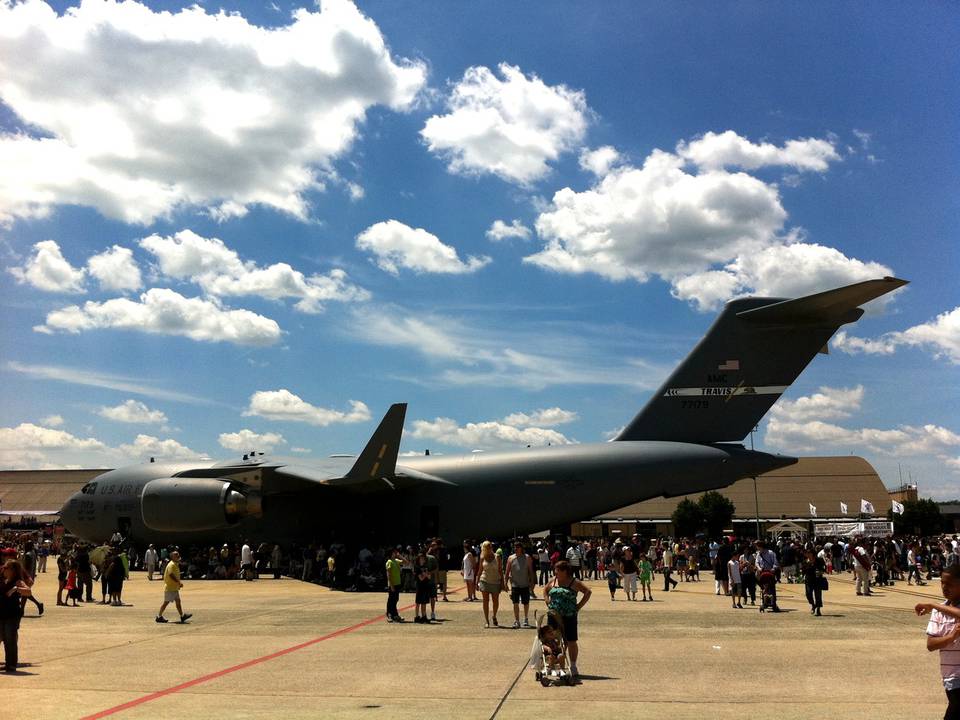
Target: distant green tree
<point x="919" y="517"/>
<point x="687" y="518"/>
<point x="717" y="512"/>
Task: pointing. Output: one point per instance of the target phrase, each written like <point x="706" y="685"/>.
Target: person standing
<point x="246" y="561"/>
<point x="766" y="562"/>
<point x="13" y="587"/>
<point x="43" y="552"/>
<point x="748" y="576"/>
<point x="629" y="570"/>
<point x="469" y="572"/>
<point x="424" y="579"/>
<point x="393" y="567"/>
<point x="943" y="634"/>
<point x="490" y="581"/>
<point x="668" y="581"/>
<point x="813" y="569"/>
<point x="575" y="558"/>
<point x="433" y="562"/>
<point x="560" y="594"/>
<point x="543" y="557"/>
<point x="733" y="576"/>
<point x="521" y="578"/>
<point x="84" y="572"/>
<point x="862" y="562"/>
<point x="171" y="589"/>
<point x="150" y="561"/>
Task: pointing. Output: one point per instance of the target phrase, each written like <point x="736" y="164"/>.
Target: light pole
<point x="756" y="497"/>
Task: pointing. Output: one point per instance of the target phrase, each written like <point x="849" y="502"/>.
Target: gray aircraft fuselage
<point x="488" y="495"/>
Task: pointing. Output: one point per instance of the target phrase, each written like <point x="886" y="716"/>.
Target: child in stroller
<point x="548" y="657"/>
<point x="767" y="582"/>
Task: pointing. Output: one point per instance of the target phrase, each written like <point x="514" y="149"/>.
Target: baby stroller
<point x="548" y="657"/>
<point x="767" y="582"/>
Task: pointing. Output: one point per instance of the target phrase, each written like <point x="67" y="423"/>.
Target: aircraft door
<point x="123" y="525"/>
<point x="429" y="521"/>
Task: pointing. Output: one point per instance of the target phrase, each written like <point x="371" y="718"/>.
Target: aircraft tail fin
<point x="379" y="457"/>
<point x="753" y="352"/>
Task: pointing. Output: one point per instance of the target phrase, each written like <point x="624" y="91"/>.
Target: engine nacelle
<point x="187" y="504"/>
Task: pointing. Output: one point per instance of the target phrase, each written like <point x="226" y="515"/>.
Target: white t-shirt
<point x="942" y="624"/>
<point x="573" y="556"/>
<point x="246" y="555"/>
<point x="469" y="566"/>
<point x="733" y="571"/>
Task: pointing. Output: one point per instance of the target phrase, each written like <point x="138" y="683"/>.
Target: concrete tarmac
<point x="283" y="648"/>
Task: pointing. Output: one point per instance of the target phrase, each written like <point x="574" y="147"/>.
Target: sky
<point x="239" y="226"/>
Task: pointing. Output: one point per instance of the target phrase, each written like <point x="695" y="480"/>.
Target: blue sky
<point x="259" y="227"/>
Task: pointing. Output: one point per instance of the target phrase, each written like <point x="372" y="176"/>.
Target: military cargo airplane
<point x="685" y="439"/>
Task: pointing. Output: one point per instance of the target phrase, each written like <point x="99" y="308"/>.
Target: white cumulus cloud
<point x="511" y="126"/>
<point x="165" y="312"/>
<point x="149" y="446"/>
<point x="798" y="426"/>
<point x="396" y="245"/>
<point x="53" y="421"/>
<point x="599" y="161"/>
<point x="115" y="269"/>
<point x="546" y="417"/>
<point x="220" y="272"/>
<point x="48" y="270"/>
<point x="133" y="411"/>
<point x="717" y="150"/>
<point x="146" y="111"/>
<point x="500" y="231"/>
<point x="940" y="336"/>
<point x="247" y="440"/>
<point x="29" y="446"/>
<point x="284" y="405"/>
<point x="485" y="435"/>
<point x="712" y="233"/>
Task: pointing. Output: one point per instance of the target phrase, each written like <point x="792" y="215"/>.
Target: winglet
<point x="379" y="457"/>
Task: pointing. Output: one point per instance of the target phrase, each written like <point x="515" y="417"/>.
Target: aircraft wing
<point x="374" y="470"/>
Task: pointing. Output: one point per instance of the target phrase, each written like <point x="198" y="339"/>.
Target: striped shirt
<point x="941" y="624"/>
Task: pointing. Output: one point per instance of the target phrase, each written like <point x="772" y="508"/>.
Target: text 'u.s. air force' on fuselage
<point x="685" y="439"/>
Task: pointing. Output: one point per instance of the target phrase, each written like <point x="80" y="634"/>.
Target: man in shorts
<point x="520" y="577"/>
<point x="171" y="589"/>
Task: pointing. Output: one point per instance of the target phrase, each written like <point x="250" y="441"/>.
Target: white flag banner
<point x="866" y="506"/>
<point x="897" y="507"/>
<point x="813" y="509"/>
<point x="843" y="508"/>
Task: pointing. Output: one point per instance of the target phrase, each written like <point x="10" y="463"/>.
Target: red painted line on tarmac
<point x="242" y="666"/>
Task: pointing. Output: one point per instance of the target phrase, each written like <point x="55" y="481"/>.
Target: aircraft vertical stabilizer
<point x="753" y="352"/>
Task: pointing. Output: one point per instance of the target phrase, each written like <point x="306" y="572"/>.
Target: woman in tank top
<point x="490" y="581"/>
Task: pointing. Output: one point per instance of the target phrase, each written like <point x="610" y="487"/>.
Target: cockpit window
<point x="89" y="489"/>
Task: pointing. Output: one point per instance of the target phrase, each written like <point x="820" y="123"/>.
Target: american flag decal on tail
<point x="729" y="365"/>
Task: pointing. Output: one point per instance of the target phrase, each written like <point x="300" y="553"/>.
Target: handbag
<point x="824" y="583"/>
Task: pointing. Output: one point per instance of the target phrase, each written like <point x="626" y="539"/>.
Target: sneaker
<point x="389" y="618"/>
<point x="526" y="623"/>
<point x="486" y="625"/>
<point x="40" y="608"/>
<point x="433" y="616"/>
<point x="574" y="671"/>
<point x="495" y="623"/>
<point x="161" y="619"/>
<point x="398" y="619"/>
<point x="185" y="617"/>
<point x="516" y="624"/>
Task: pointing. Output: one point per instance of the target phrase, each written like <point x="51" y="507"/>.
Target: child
<point x="613" y="578"/>
<point x="424" y="580"/>
<point x="943" y="634"/>
<point x="646" y="577"/>
<point x="73" y="592"/>
<point x="552" y="653"/>
<point x="733" y="573"/>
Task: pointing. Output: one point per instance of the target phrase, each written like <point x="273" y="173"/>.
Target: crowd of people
<point x="491" y="568"/>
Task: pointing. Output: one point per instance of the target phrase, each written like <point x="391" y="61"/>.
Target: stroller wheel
<point x="544" y="681"/>
<point x="538" y="675"/>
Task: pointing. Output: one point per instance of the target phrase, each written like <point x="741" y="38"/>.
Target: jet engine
<point x="190" y="504"/>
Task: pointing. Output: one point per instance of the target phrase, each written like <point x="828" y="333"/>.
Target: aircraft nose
<point x="68" y="513"/>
